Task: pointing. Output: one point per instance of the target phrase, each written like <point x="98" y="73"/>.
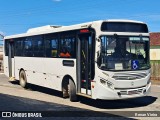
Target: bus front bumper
<point x="113" y="94"/>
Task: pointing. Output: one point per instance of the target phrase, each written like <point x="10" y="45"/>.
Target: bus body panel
<point x="46" y="72"/>
<point x="6" y="67"/>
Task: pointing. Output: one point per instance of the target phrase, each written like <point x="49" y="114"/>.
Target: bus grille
<point x="131" y="92"/>
<point x="129" y="76"/>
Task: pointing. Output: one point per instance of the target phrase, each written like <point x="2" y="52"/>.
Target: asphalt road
<point x="38" y="99"/>
<point x="47" y="110"/>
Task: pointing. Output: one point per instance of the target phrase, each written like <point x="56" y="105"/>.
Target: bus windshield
<point x="124" y="53"/>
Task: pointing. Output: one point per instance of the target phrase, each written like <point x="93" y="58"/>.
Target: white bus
<point x="106" y="59"/>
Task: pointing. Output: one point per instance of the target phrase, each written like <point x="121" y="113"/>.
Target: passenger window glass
<point x="38" y="46"/>
<point x="19" y="47"/>
<point x="51" y="45"/>
<point x="28" y="51"/>
<point x="54" y="47"/>
<point x="68" y="47"/>
<point x="6" y="47"/>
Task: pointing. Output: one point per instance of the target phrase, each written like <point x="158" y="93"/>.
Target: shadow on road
<point x="40" y="89"/>
<point x="104" y="104"/>
<point x="25" y="105"/>
<point x="119" y="104"/>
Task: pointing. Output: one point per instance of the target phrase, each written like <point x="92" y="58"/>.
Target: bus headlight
<point x="110" y="85"/>
<point x="106" y="82"/>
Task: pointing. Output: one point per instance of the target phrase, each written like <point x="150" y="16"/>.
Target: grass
<point x="155" y="61"/>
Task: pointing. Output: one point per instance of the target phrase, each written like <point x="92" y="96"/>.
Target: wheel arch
<point x="65" y="80"/>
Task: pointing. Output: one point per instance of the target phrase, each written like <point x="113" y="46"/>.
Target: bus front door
<point x="85" y="63"/>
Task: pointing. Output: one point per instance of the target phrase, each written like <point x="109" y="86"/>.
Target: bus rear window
<point x="124" y="27"/>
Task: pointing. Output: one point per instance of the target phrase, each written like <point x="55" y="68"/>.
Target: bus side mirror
<point x="98" y="58"/>
<point x="98" y="54"/>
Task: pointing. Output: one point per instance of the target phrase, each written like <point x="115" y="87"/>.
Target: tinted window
<point x="19" y="47"/>
<point x="38" y="46"/>
<point x="68" y="47"/>
<point x="28" y="49"/>
<point x="51" y="45"/>
<point x="124" y="27"/>
<point x="34" y="46"/>
<point x="6" y="47"/>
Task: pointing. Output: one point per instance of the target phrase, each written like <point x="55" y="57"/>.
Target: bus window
<point x="54" y="47"/>
<point x="38" y="47"/>
<point x="19" y="47"/>
<point x="68" y="47"/>
<point x="28" y="51"/>
<point x="51" y="45"/>
<point x="6" y="47"/>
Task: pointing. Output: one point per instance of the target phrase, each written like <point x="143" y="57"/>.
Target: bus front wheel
<point x="23" y="79"/>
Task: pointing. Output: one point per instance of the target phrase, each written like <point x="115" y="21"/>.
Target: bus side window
<point x="19" y="47"/>
<point x="68" y="47"/>
<point x="51" y="45"/>
<point x="54" y="47"/>
<point x="6" y="47"/>
<point x="28" y="52"/>
<point x="38" y="47"/>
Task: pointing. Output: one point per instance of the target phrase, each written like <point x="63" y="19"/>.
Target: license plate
<point x="132" y="92"/>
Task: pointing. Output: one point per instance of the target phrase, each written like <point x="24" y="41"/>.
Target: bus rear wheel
<point x="72" y="91"/>
<point x="23" y="79"/>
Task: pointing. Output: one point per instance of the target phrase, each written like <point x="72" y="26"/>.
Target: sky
<point x="17" y="16"/>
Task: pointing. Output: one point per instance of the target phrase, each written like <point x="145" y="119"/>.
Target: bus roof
<point x="53" y="28"/>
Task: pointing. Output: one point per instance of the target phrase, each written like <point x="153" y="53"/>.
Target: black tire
<point x="65" y="87"/>
<point x="72" y="91"/>
<point x="23" y="79"/>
